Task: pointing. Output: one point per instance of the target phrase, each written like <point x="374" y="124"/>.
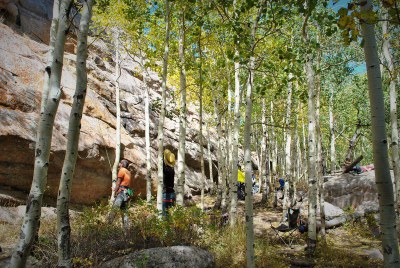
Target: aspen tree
<point x="203" y="175"/>
<point x="247" y="148"/>
<point x="53" y="35"/>
<point x="379" y="142"/>
<point x="160" y="137"/>
<point x="332" y="131"/>
<point x="235" y="130"/>
<point x="118" y="116"/>
<point x="393" y="115"/>
<point x="312" y="176"/>
<point x="71" y="153"/>
<point x="182" y="112"/>
<point x="30" y="224"/>
<point x="210" y="162"/>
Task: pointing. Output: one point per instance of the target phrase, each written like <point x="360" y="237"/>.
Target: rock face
<point x="169" y="257"/>
<point x="353" y="191"/>
<point x="22" y="63"/>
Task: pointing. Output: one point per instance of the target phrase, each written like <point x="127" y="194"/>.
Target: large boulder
<point x="351" y="190"/>
<point x="22" y="62"/>
<point x="168" y="257"/>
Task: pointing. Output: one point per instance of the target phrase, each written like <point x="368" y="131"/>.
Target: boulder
<point x="350" y="191"/>
<point x="367" y="207"/>
<point x="374" y="254"/>
<point x="168" y="257"/>
<point x="22" y="66"/>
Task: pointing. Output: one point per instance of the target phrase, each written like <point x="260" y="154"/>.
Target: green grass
<point x="93" y="241"/>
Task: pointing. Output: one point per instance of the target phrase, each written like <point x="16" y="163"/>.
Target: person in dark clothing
<point x="168" y="179"/>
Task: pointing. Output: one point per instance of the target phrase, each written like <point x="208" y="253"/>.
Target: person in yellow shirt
<point x="240" y="184"/>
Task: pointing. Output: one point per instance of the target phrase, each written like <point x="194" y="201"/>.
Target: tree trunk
<point x="393" y="117"/>
<point x="182" y="115"/>
<point x="210" y="162"/>
<point x="50" y="56"/>
<point x="203" y="175"/>
<point x="352" y="144"/>
<point x="247" y="147"/>
<point x="379" y="142"/>
<point x="274" y="145"/>
<point x="236" y="126"/>
<point x="288" y="140"/>
<point x="221" y="197"/>
<point x="319" y="149"/>
<point x="332" y="131"/>
<point x="30" y="224"/>
<point x="118" y="117"/>
<point x="71" y="153"/>
<point x="147" y="130"/>
<point x="312" y="176"/>
<point x="160" y="137"/>
<point x="264" y="168"/>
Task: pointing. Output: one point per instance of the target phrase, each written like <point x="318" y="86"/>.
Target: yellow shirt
<point x="241" y="177"/>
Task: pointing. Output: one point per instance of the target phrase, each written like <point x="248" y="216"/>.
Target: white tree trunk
<point x="288" y="139"/>
<point x="147" y="133"/>
<point x="118" y="118"/>
<point x="248" y="171"/>
<point x="235" y="130"/>
<point x="71" y="154"/>
<point x="312" y="158"/>
<point x="50" y="56"/>
<point x="393" y="117"/>
<point x="379" y="142"/>
<point x="182" y="116"/>
<point x="247" y="148"/>
<point x="30" y="224"/>
<point x="332" y="131"/>
<point x="264" y="162"/>
<point x="203" y="174"/>
<point x="235" y="146"/>
<point x="319" y="152"/>
<point x="221" y="198"/>
<point x="210" y="163"/>
<point x="160" y="138"/>
<point x="273" y="141"/>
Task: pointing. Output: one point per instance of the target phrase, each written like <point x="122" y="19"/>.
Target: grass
<point x="93" y="241"/>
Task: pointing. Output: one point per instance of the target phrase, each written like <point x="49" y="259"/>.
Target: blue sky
<point x="358" y="68"/>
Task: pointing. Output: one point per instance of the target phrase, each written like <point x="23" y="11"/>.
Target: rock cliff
<point x="22" y="62"/>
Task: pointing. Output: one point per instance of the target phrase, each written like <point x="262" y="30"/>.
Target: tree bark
<point x="118" y="117"/>
<point x="320" y="168"/>
<point x="203" y="175"/>
<point x="147" y="129"/>
<point x="312" y="176"/>
<point x="352" y="164"/>
<point x="235" y="140"/>
<point x="30" y="224"/>
<point x="264" y="168"/>
<point x="50" y="57"/>
<point x="288" y="141"/>
<point x="332" y="132"/>
<point x="160" y="138"/>
<point x="379" y="142"/>
<point x="221" y="197"/>
<point x="393" y="116"/>
<point x="210" y="162"/>
<point x="182" y="115"/>
<point x="71" y="154"/>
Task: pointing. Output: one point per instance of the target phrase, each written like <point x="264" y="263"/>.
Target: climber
<point x="123" y="193"/>
<point x="240" y="184"/>
<point x="168" y="179"/>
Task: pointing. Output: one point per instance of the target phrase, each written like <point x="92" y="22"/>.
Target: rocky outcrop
<point x="22" y="61"/>
<point x="169" y="257"/>
<point x="352" y="190"/>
